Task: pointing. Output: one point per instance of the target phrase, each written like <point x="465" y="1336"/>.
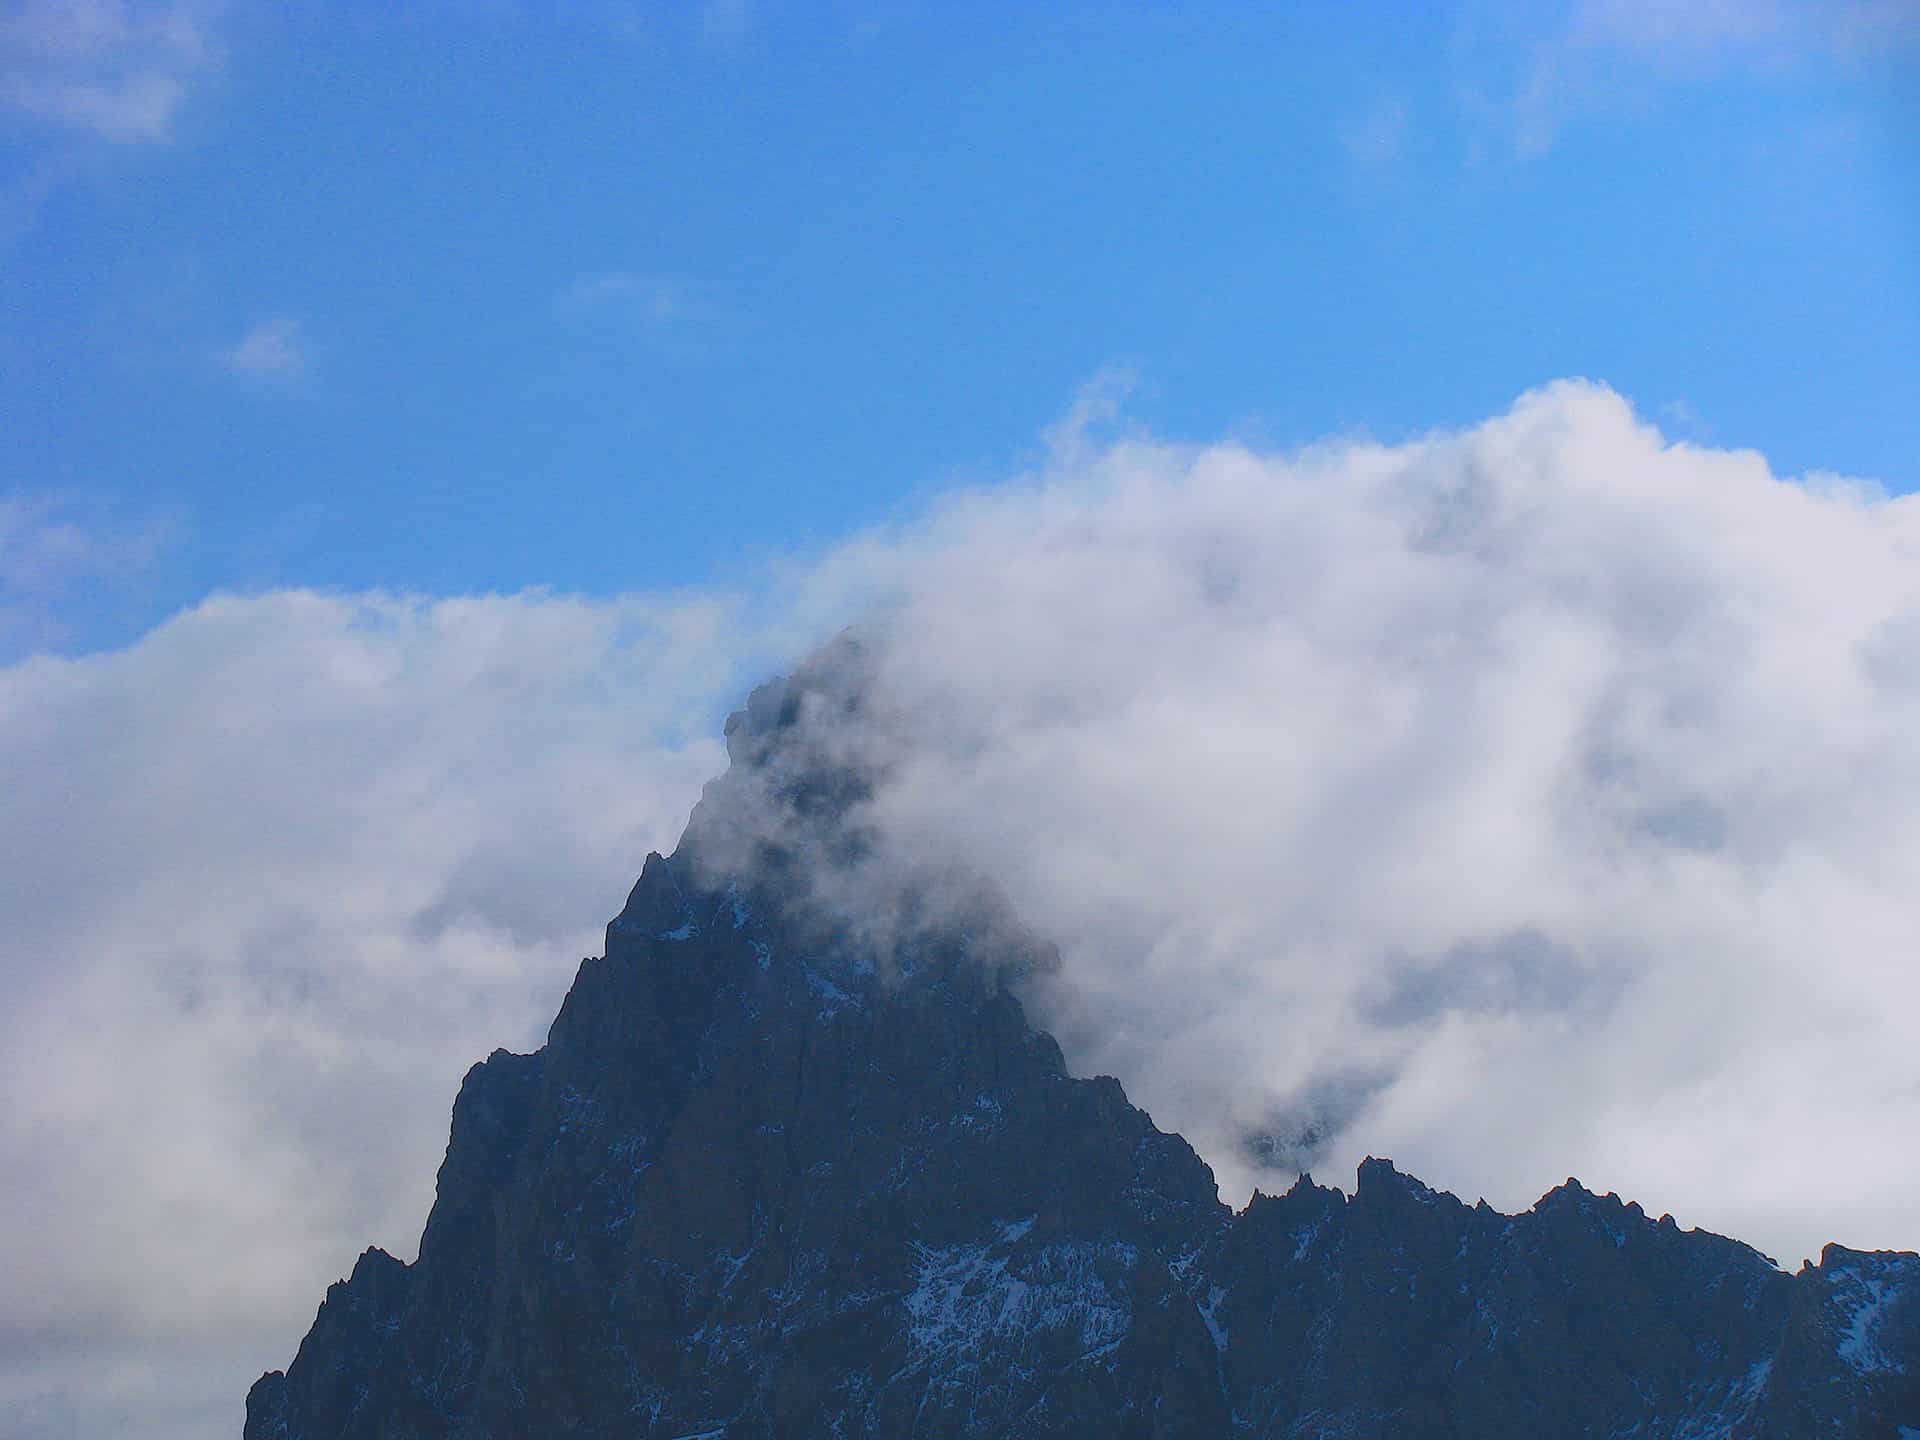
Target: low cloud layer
<point x="1519" y="803"/>
<point x="1529" y="801"/>
<point x="273" y="878"/>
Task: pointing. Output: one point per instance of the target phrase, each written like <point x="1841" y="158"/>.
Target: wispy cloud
<point x="111" y="69"/>
<point x="1683" y="421"/>
<point x="39" y="544"/>
<point x="1379" y="135"/>
<point x="725" y="23"/>
<point x="1580" y="65"/>
<point x="674" y="317"/>
<point x="657" y="299"/>
<point x="51" y="545"/>
<point x="272" y="348"/>
<point x="1601" y="55"/>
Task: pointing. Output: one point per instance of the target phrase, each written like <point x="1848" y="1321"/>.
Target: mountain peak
<point x="794" y="1162"/>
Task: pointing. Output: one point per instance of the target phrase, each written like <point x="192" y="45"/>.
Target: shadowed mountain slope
<point x="793" y="1162"/>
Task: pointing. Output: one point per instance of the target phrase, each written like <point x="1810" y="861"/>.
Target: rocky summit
<point x="793" y="1162"/>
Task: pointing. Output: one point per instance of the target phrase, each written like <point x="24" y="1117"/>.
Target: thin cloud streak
<point x="51" y="544"/>
<point x="114" y="71"/>
<point x="658" y="298"/>
<point x="1606" y="57"/>
<point x="272" y="348"/>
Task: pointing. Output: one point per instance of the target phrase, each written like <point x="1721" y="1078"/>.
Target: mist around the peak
<point x="1520" y="802"/>
<point x="1529" y="801"/>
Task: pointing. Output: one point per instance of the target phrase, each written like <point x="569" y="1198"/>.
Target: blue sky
<point x="417" y="429"/>
<point x="638" y="296"/>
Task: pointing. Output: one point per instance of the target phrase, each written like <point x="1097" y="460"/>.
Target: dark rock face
<point x="772" y="1176"/>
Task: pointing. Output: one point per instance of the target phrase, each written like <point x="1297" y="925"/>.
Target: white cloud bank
<point x="1530" y="801"/>
<point x="273" y="878"/>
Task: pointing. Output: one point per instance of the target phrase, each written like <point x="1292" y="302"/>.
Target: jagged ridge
<point x="772" y="1176"/>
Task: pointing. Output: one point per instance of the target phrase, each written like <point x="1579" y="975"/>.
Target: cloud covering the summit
<point x="273" y="878"/>
<point x="1523" y="802"/>
<point x="1518" y="802"/>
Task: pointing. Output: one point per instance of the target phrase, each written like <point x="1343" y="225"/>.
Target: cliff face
<point x="777" y="1173"/>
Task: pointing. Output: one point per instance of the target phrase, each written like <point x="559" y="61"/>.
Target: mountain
<point x="793" y="1162"/>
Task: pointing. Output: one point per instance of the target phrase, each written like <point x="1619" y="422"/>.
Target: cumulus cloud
<point x="1519" y="802"/>
<point x="273" y="878"/>
<point x="114" y="70"/>
<point x="272" y="348"/>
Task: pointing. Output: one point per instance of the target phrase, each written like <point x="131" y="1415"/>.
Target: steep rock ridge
<point x="793" y="1162"/>
<point x="1402" y="1311"/>
<point x="733" y="1189"/>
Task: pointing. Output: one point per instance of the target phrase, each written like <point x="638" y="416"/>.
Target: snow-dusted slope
<point x="793" y="1163"/>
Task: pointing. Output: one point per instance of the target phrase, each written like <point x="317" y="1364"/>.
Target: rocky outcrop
<point x="783" y="1171"/>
